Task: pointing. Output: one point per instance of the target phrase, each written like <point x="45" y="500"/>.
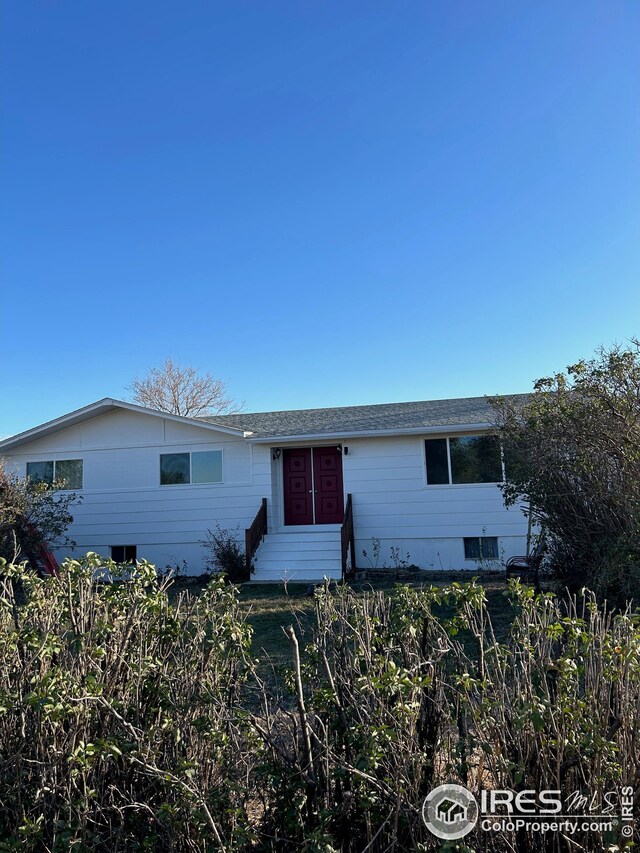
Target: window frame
<point x="191" y="483"/>
<point x="480" y="540"/>
<point x="124" y="554"/>
<point x="451" y="484"/>
<point x="55" y="462"/>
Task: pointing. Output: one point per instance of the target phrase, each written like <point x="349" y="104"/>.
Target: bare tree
<point x="183" y="391"/>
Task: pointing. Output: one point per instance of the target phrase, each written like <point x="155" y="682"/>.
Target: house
<point x="452" y="813"/>
<point x="422" y="479"/>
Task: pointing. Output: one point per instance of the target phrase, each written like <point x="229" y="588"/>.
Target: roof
<point x="101" y="407"/>
<point x="464" y="415"/>
<point x="424" y="416"/>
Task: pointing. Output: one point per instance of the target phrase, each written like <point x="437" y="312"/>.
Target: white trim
<point x="180" y="486"/>
<point x="280" y="474"/>
<point x="251" y="464"/>
<point x="460" y="485"/>
<point x="103" y="406"/>
<point x="338" y="437"/>
<point x="100" y="448"/>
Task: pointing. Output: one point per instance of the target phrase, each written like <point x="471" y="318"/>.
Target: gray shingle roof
<point x="350" y="419"/>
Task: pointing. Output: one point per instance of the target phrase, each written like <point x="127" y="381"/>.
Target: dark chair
<point x="527" y="568"/>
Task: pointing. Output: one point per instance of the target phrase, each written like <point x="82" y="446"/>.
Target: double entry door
<point x="313" y="491"/>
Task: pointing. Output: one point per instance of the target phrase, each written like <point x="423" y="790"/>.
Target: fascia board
<point x="447" y="429"/>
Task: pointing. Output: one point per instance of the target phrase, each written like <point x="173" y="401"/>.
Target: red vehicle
<point x="35" y="550"/>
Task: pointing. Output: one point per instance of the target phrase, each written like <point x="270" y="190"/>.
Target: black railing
<point x="254" y="535"/>
<point x="348" y="541"/>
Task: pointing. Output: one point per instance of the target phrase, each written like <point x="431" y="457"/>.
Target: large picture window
<point x="463" y="459"/>
<point x="198" y="467"/>
<point x="66" y="472"/>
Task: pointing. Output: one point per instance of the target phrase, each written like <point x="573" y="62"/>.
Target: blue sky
<point x="323" y="203"/>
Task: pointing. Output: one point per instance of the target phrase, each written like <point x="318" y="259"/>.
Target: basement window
<point x="124" y="553"/>
<point x="66" y="471"/>
<point x="481" y="547"/>
<point x="198" y="467"/>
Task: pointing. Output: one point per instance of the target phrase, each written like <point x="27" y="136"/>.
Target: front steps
<point x="299" y="553"/>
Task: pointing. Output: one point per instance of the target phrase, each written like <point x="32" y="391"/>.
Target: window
<point x="437" y="461"/>
<point x="66" y="471"/>
<point x="40" y="472"/>
<point x="475" y="459"/>
<point x="206" y="467"/>
<point x="463" y="459"/>
<point x="124" y="553"/>
<point x="174" y="468"/>
<point x="481" y="548"/>
<point x="198" y="467"/>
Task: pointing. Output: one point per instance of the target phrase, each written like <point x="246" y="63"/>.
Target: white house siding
<point x="392" y="501"/>
<point x="123" y="502"/>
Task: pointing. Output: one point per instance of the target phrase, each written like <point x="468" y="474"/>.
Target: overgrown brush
<point x="128" y="722"/>
<point x="572" y="458"/>
<point x="395" y="698"/>
<point x="118" y="713"/>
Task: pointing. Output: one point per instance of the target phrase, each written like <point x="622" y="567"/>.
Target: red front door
<point x="313" y="491"/>
<point x="298" y="486"/>
<point x="327" y="483"/>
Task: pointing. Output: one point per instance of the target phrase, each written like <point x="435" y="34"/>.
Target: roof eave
<point x="328" y="436"/>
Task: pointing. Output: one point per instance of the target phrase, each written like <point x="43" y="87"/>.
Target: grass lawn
<point x="271" y="607"/>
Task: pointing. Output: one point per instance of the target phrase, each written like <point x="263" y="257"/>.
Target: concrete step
<point x="278" y="572"/>
<point x="316" y="529"/>
<point x="284" y="546"/>
<point x="296" y="558"/>
<point x="293" y="556"/>
<point x="297" y="563"/>
<point x="301" y="553"/>
<point x="324" y="536"/>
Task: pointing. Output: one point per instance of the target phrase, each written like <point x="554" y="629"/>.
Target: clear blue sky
<point x="323" y="202"/>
